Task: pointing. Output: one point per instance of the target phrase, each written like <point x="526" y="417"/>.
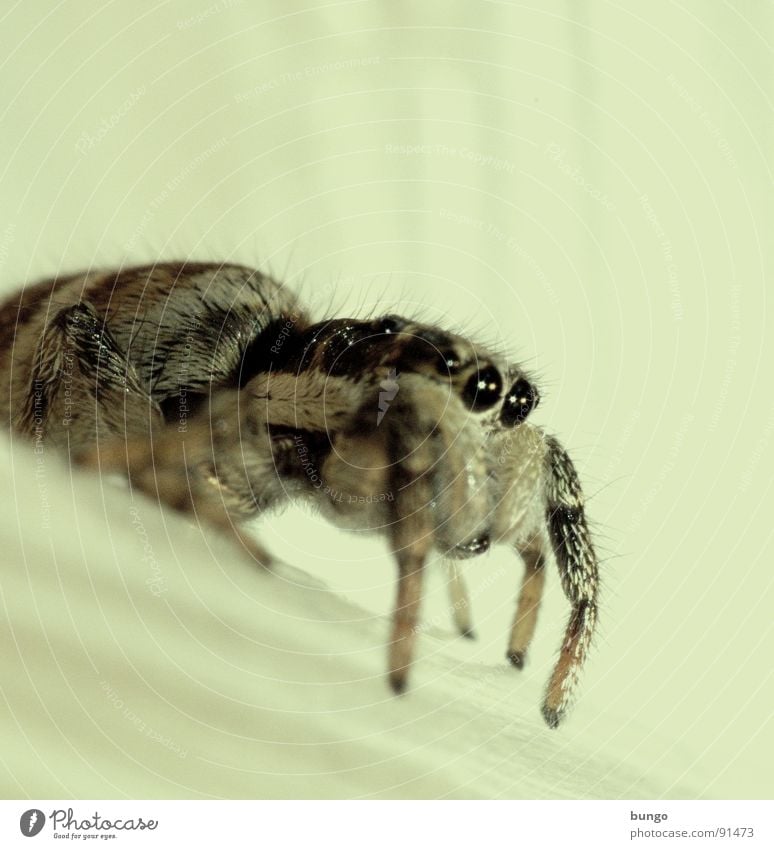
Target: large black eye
<point x="483" y="389"/>
<point x="519" y="403"/>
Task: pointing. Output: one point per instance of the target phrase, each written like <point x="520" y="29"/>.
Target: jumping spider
<point x="210" y="387"/>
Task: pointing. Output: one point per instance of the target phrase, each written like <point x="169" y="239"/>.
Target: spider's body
<point x="214" y="390"/>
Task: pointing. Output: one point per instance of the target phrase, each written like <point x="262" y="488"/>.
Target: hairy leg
<point x="528" y="605"/>
<point x="577" y="562"/>
<point x="460" y="601"/>
<point x="220" y="468"/>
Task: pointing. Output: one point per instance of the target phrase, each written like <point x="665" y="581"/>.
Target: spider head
<point x="349" y="348"/>
<point x="443" y="357"/>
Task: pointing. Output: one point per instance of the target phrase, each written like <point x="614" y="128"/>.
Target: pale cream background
<point x="586" y="184"/>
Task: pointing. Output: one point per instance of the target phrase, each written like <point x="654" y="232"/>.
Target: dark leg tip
<point x="472" y="548"/>
<point x="552" y="717"/>
<point x="398" y="683"/>
<point x="468" y="633"/>
<point x="516" y="658"/>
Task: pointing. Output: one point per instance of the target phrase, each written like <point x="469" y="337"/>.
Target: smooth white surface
<point x="144" y="658"/>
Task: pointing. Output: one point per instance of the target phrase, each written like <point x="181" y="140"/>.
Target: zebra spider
<point x="211" y="388"/>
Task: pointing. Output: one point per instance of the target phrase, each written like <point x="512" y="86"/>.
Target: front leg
<point x="420" y="478"/>
<point x="530" y="596"/>
<point x="410" y="568"/>
<point x="540" y="509"/>
<point x="412" y="536"/>
<point x="577" y="562"/>
<point x="373" y="451"/>
<point x="366" y="454"/>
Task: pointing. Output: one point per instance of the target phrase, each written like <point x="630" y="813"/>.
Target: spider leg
<point x="460" y="600"/>
<point x="518" y="460"/>
<point x="204" y="470"/>
<point x="577" y="562"/>
<point x="528" y="604"/>
<point x="411" y="542"/>
<point x="441" y="500"/>
<point x="223" y="465"/>
<point x="539" y="506"/>
<point x="424" y="455"/>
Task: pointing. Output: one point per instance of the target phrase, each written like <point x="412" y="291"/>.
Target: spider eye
<point x="483" y="389"/>
<point x="391" y="324"/>
<point x="519" y="403"/>
<point x="449" y="362"/>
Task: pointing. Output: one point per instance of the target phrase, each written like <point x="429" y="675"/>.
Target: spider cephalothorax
<point x="215" y="392"/>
